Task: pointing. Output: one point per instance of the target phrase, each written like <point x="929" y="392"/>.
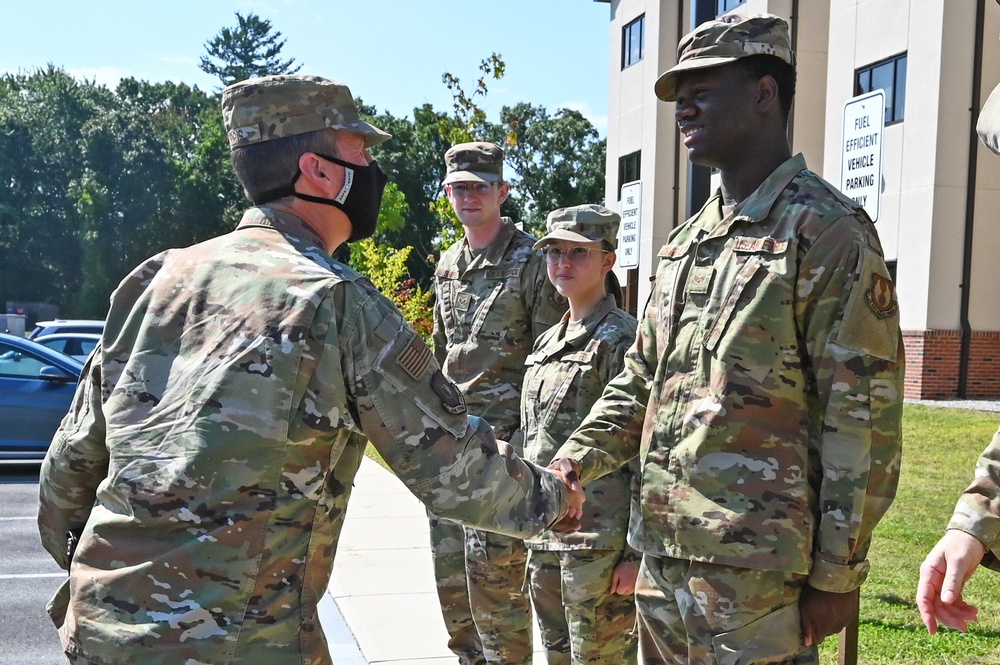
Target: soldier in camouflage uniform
<point x="582" y="583"/>
<point x="973" y="535"/>
<point x="493" y="300"/>
<point x="763" y="394"/>
<point x="207" y="459"/>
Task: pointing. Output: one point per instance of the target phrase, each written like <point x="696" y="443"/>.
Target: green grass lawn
<point x="940" y="448"/>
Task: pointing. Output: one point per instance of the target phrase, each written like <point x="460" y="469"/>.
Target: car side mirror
<point x="54" y="374"/>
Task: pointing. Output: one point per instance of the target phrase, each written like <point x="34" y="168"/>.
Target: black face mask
<point x="360" y="199"/>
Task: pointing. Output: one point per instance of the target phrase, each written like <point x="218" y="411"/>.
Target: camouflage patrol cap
<point x="473" y="162"/>
<point x="724" y="40"/>
<point x="275" y="107"/>
<point x="582" y="223"/>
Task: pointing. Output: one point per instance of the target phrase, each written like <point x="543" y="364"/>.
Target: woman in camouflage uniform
<point x="581" y="584"/>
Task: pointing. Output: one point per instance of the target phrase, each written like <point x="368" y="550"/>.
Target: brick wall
<point x="932" y="364"/>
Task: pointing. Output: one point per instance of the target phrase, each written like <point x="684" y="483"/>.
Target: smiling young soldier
<point x="763" y="393"/>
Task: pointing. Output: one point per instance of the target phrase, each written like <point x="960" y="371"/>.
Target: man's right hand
<point x="569" y="471"/>
<point x="942" y="578"/>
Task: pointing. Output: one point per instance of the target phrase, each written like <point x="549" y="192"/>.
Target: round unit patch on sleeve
<point x="880" y="296"/>
<point x="451" y="397"/>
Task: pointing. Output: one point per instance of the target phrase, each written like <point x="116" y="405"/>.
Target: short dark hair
<point x="271" y="165"/>
<point x="758" y="66"/>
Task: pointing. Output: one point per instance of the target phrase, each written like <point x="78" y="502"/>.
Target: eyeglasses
<point x="467" y="188"/>
<point x="574" y="254"/>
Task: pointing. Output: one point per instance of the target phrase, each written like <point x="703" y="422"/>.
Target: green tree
<point x="248" y="50"/>
<point x="413" y="160"/>
<point x="559" y="159"/>
<point x="386" y="266"/>
<point x="121" y="196"/>
<point x="95" y="181"/>
<point x="43" y="117"/>
<point x="468" y="122"/>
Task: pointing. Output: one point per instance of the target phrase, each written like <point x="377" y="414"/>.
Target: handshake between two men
<point x="568" y="471"/>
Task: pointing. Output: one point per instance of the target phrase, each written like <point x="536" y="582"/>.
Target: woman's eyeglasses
<point x="574" y="254"/>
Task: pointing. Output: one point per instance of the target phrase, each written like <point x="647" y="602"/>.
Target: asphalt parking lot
<point x="28" y="577"/>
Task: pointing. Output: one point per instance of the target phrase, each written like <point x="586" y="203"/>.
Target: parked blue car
<point x="36" y="388"/>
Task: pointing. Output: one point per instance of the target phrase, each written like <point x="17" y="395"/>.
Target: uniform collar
<point x="757" y="206"/>
<point x="577" y="336"/>
<point x="591" y="321"/>
<point x="283" y="222"/>
<point x="494" y="253"/>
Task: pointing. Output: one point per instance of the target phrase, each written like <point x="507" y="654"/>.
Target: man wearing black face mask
<point x="204" y="468"/>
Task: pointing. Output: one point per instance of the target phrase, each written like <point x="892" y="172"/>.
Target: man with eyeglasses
<point x="493" y="300"/>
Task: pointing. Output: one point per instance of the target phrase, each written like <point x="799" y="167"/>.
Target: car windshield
<point x="25" y="359"/>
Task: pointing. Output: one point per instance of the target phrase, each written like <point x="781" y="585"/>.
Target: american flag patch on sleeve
<point x="415" y="357"/>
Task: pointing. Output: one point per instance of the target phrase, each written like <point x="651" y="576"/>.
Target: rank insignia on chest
<point x="463" y="301"/>
<point x="880" y="297"/>
<point x="700" y="280"/>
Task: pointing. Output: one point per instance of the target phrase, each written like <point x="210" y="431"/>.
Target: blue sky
<point x="391" y="53"/>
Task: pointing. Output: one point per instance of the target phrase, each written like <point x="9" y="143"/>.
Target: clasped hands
<point x="568" y="471"/>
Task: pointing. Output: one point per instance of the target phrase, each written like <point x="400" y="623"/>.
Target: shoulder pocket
<point x="404" y="378"/>
<point x="871" y="315"/>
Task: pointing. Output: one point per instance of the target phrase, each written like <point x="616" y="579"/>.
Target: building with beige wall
<point x="939" y="214"/>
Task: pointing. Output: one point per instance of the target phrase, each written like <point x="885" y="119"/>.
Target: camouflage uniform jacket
<point x="566" y="373"/>
<point x="763" y="394"/>
<point x="488" y="312"/>
<point x="978" y="509"/>
<point x="214" y="438"/>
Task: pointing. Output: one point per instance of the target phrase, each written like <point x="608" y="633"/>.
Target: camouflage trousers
<point x="581" y="621"/>
<point x="691" y="613"/>
<point x="496" y="566"/>
<point x="448" y="553"/>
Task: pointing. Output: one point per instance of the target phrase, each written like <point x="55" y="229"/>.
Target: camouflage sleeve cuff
<point x="990" y="559"/>
<point x="631" y="555"/>
<point x="975" y="519"/>
<point x="594" y="461"/>
<point x="837" y="577"/>
<point x="973" y="516"/>
<point x="555" y="493"/>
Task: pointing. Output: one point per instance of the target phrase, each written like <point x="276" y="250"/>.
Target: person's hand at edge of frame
<point x="943" y="575"/>
<point x="569" y="472"/>
<point x="824" y="613"/>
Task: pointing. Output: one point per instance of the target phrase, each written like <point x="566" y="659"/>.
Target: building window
<point x="890" y="76"/>
<point x="633" y="42"/>
<point x="891" y="266"/>
<point x="724" y="6"/>
<point x="628" y="169"/>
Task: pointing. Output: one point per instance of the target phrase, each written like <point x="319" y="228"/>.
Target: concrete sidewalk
<point x="382" y="606"/>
